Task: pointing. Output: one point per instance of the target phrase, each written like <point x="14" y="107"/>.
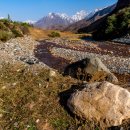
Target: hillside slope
<point x="115" y="26"/>
<point x="88" y="21"/>
<point x="100" y="28"/>
<point x="10" y="29"/>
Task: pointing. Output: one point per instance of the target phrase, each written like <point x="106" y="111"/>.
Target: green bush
<point x="111" y="23"/>
<point x="17" y="33"/>
<point x="3" y="27"/>
<point x="26" y="24"/>
<point x="54" y="34"/>
<point x="11" y="29"/>
<point x="4" y="35"/>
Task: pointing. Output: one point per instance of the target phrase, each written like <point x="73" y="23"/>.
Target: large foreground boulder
<point x="90" y="69"/>
<point x="101" y="102"/>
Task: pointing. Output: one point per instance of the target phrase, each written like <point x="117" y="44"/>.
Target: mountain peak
<point x="52" y="15"/>
<point x="79" y="15"/>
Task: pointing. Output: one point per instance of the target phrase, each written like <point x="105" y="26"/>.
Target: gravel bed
<point x="19" y="50"/>
<point x="115" y="64"/>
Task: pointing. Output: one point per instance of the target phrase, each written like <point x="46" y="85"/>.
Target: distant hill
<point x="57" y="21"/>
<point x="91" y="18"/>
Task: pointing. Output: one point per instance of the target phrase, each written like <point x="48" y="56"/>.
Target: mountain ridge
<point x="59" y="20"/>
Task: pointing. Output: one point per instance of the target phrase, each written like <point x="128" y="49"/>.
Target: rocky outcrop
<point x="102" y="102"/>
<point x="90" y="69"/>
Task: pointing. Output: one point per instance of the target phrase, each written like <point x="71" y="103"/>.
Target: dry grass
<point x="40" y="34"/>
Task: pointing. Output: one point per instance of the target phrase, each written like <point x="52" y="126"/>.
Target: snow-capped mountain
<point x="91" y="18"/>
<point x="59" y="20"/>
<point x="91" y="14"/>
<point x="101" y="11"/>
<point x="63" y="21"/>
<point x="79" y="15"/>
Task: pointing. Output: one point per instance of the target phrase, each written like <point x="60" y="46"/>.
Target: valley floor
<point x="26" y="63"/>
<point x="58" y="53"/>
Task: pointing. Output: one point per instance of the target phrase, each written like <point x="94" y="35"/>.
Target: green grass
<point x="60" y="123"/>
<point x="5" y="35"/>
<point x="26" y="96"/>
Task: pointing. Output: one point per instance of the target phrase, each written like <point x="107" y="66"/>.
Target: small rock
<point x="4" y="87"/>
<point x="37" y="121"/>
<point x="52" y="73"/>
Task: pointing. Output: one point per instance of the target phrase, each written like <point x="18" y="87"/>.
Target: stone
<point x="52" y="73"/>
<point x="90" y="69"/>
<point x="102" y="102"/>
<point x="29" y="60"/>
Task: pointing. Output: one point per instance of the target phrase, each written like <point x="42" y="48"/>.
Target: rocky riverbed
<point x="115" y="64"/>
<point x="58" y="53"/>
<point x="19" y="50"/>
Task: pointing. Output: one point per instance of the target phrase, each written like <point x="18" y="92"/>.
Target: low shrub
<point x="17" y="33"/>
<point x="4" y="35"/>
<point x="25" y="30"/>
<point x="3" y="27"/>
<point x="54" y="34"/>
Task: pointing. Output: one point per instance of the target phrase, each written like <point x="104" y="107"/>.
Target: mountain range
<point x="101" y="22"/>
<point x="81" y="21"/>
<point x="61" y="21"/>
<point x="96" y="15"/>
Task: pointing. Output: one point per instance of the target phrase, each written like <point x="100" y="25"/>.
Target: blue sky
<point x="22" y="10"/>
